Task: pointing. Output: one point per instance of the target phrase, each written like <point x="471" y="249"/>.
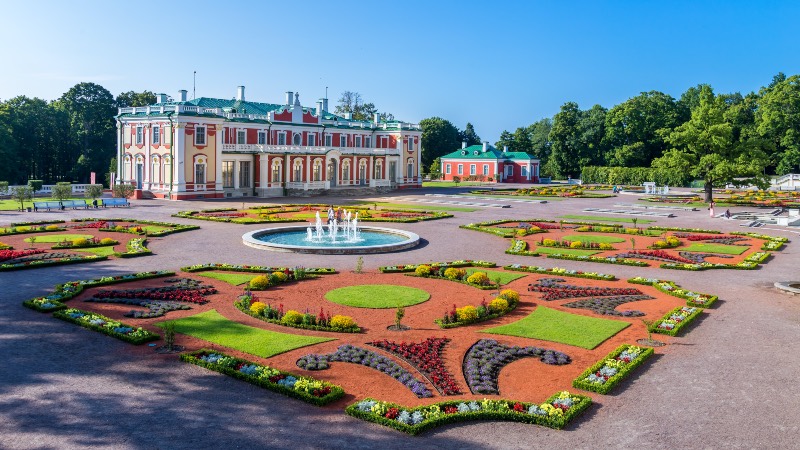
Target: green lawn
<point x="593" y="238"/>
<point x="566" y="251"/>
<point x="518" y="197"/>
<point x="605" y="219"/>
<point x="13" y="205"/>
<point x="102" y="251"/>
<point x="452" y="184"/>
<point x="420" y="207"/>
<point x="556" y="326"/>
<point x="212" y="327"/>
<point x="505" y="277"/>
<point x="55" y="238"/>
<point x="701" y="247"/>
<point x="377" y="296"/>
<point x="231" y="278"/>
<point x="154" y="228"/>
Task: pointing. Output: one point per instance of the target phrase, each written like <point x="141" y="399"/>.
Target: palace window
<point x="410" y="168"/>
<point x="461" y="169"/>
<point x="447" y="169"/>
<point x="509" y="171"/>
<point x="277" y="170"/>
<point x="524" y="171"/>
<point x="298" y="139"/>
<point x="368" y="142"/>
<point x="200" y="173"/>
<point x="346" y="170"/>
<point x="317" y="170"/>
<point x="486" y="169"/>
<point x="362" y="172"/>
<point x="155" y="174"/>
<point x="312" y="140"/>
<point x="358" y="141"/>
<point x="244" y="174"/>
<point x="156" y="135"/>
<point x="410" y="143"/>
<point x="139" y="135"/>
<point x="298" y="171"/>
<point x="328" y="141"/>
<point x="378" y="170"/>
<point x="262" y="138"/>
<point x="281" y="138"/>
<point x="472" y="169"/>
<point x="227" y="174"/>
<point x="200" y="136"/>
<point x="167" y="169"/>
<point x="342" y="141"/>
<point x="241" y="137"/>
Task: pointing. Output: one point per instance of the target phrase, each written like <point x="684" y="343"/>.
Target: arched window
<point x="378" y="170"/>
<point x="298" y="139"/>
<point x="362" y="171"/>
<point x="346" y="170"/>
<point x="126" y="169"/>
<point x="317" y="170"/>
<point x="155" y="174"/>
<point x="277" y="170"/>
<point x="199" y="173"/>
<point x="410" y="168"/>
<point x="167" y="169"/>
<point x="297" y="173"/>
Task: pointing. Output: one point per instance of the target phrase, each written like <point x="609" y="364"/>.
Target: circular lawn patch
<point x="377" y="296"/>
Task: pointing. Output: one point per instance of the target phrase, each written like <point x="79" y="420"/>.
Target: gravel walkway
<point x="727" y="384"/>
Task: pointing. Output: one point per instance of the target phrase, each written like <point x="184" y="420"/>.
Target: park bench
<point x="46" y="205"/>
<point x="75" y="204"/>
<point x="115" y="202"/>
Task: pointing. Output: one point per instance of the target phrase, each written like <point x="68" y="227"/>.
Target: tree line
<point x="710" y="136"/>
<point x="64" y="139"/>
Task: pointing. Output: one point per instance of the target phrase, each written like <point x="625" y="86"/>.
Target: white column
<point x="120" y="153"/>
<point x="218" y="157"/>
<point x="178" y="165"/>
<point x="148" y="177"/>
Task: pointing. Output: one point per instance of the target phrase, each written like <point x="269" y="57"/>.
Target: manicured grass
<point x="593" y="238"/>
<point x="102" y="251"/>
<point x="505" y="277"/>
<point x="565" y="251"/>
<point x="604" y="219"/>
<point x="231" y="278"/>
<point x="13" y="205"/>
<point x="154" y="228"/>
<point x="377" y="296"/>
<point x="519" y="197"/>
<point x="55" y="238"/>
<point x="702" y="247"/>
<point x="423" y="207"/>
<point x="452" y="184"/>
<point x="212" y="327"/>
<point x="556" y="326"/>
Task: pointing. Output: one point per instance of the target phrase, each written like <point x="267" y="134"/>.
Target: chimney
<point x="240" y="93"/>
<point x="319" y="108"/>
<point x="463" y="144"/>
<point x="485" y="146"/>
<point x="348" y="116"/>
<point x="325" y="104"/>
<point x="161" y="98"/>
<point x="505" y="149"/>
<point x="289" y="95"/>
<point x="376" y="117"/>
<point x="182" y="95"/>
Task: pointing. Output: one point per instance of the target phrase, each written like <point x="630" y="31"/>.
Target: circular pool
<point x="300" y="239"/>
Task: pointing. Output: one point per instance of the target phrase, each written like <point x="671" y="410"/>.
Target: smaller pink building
<point x="486" y="163"/>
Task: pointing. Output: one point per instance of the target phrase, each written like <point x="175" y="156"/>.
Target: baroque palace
<point x="213" y="148"/>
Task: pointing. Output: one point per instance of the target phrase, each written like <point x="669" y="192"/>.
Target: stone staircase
<point x="339" y="191"/>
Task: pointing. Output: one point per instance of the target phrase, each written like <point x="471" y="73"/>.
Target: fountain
<point x="340" y="237"/>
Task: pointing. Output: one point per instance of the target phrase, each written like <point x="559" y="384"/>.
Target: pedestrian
<point x="330" y="214"/>
<point x="727" y="213"/>
<point x="711" y="209"/>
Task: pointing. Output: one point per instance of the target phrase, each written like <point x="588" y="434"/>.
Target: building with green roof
<point x="486" y="163"/>
<point x="213" y="148"/>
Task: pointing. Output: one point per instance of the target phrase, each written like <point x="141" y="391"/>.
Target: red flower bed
<point x="659" y="254"/>
<point x="705" y="237"/>
<point x="427" y="358"/>
<point x="175" y="295"/>
<point x="221" y="214"/>
<point x="95" y="225"/>
<point x="5" y="255"/>
<point x="553" y="291"/>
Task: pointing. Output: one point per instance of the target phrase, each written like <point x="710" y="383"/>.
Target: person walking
<point x="711" y="209"/>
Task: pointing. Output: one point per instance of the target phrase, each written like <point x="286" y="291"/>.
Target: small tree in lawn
<point x="22" y="194"/>
<point x="398" y="316"/>
<point x="3" y="187"/>
<point x="93" y="191"/>
<point x="456" y="180"/>
<point x="633" y="243"/>
<point x="123" y="190"/>
<point x="62" y="191"/>
<point x="635" y="220"/>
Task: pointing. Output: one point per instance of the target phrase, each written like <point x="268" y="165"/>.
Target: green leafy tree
<point x="577" y="140"/>
<point x="506" y="140"/>
<point x="132" y="98"/>
<point x="705" y="148"/>
<point x="435" y="170"/>
<point x="93" y="191"/>
<point x="22" y="194"/>
<point x="123" y="190"/>
<point x="439" y="137"/>
<point x="469" y="135"/>
<point x="352" y="103"/>
<point x="777" y="120"/>
<point x="61" y="191"/>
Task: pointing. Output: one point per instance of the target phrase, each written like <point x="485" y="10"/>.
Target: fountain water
<point x="346" y="231"/>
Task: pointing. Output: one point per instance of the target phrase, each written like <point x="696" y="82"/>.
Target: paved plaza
<point x="730" y="382"/>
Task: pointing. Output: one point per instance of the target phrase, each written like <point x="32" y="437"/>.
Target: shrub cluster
<point x="506" y="301"/>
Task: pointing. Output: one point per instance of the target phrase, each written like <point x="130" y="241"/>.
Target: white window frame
<point x="241" y="136"/>
<point x="297" y="139"/>
<point x="139" y="135"/>
<point x="378" y="168"/>
<point x="155" y="175"/>
<point x="473" y="169"/>
<point x="460" y="170"/>
<point x="316" y="170"/>
<point x="342" y="141"/>
<point x="297" y="171"/>
<point x="509" y="170"/>
<point x="485" y="169"/>
<point x="358" y="141"/>
<point x="281" y="138"/>
<point x="524" y="171"/>
<point x="277" y="171"/>
<point x="410" y="143"/>
<point x="368" y="143"/>
<point x="447" y="169"/>
<point x="346" y="170"/>
<point x="312" y="140"/>
<point x="156" y="135"/>
<point x="262" y="138"/>
<point x="244" y="175"/>
<point x="328" y="140"/>
<point x="225" y="165"/>
<point x="197" y="134"/>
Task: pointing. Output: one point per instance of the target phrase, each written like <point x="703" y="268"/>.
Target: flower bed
<point x="356" y="355"/>
<point x="675" y="320"/>
<point x="505" y="302"/>
<point x="6" y="255"/>
<point x="669" y="287"/>
<point x="308" y="389"/>
<point x="602" y="259"/>
<point x="656" y="255"/>
<point x="609" y="371"/>
<point x="699" y="258"/>
<point x="248" y="304"/>
<point x="187" y="291"/>
<point x="58" y="261"/>
<point x="556" y="412"/>
<point x="66" y="291"/>
<point x="36" y="222"/>
<point x="412" y="267"/>
<point x="607" y="306"/>
<point x="105" y="325"/>
<point x="552" y="289"/>
<point x="90" y="243"/>
<point x="256" y="269"/>
<point x="5" y="246"/>
<point x="170" y="227"/>
<point x="426" y="357"/>
<point x="749" y="263"/>
<point x="772" y="242"/>
<point x="486" y="358"/>
<point x="560" y="271"/>
<point x="136" y="248"/>
<point x="30" y="229"/>
<point x="440" y="272"/>
<point x="520" y="247"/>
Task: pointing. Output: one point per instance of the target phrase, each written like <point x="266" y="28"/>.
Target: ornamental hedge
<point x="669" y="287"/>
<point x="623" y="368"/>
<point x="559" y="271"/>
<point x="52" y="262"/>
<point x="662" y="326"/>
<point x="400" y="268"/>
<point x="633" y="176"/>
<point x="254" y="269"/>
<point x="262" y="376"/>
<point x="455" y="411"/>
<point x="105" y="325"/>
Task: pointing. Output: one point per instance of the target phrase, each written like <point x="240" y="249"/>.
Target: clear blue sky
<point x="499" y="65"/>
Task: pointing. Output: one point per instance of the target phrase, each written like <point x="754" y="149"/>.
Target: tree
<point x="93" y="191"/>
<point x="506" y="140"/>
<point x="705" y="148"/>
<point x="351" y="102"/>
<point x="61" y="191"/>
<point x="469" y="136"/>
<point x="577" y="139"/>
<point x="439" y="137"/>
<point x="22" y="194"/>
<point x="131" y="98"/>
<point x="435" y="170"/>
<point x="777" y="120"/>
<point x="123" y="190"/>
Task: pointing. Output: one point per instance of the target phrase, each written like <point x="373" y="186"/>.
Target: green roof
<point x="476" y="152"/>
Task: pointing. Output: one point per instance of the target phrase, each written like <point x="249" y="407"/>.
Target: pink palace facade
<point x="214" y="148"/>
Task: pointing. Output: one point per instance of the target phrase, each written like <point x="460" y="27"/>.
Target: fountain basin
<point x="293" y="239"/>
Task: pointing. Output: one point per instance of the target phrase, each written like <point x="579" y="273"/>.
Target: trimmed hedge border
<point x="504" y="411"/>
<point x="601" y="259"/>
<point x="172" y="227"/>
<point x="558" y="272"/>
<point x="66" y="291"/>
<point x="401" y="268"/>
<point x="446" y="326"/>
<point x="28" y="231"/>
<point x="136" y="248"/>
<point x="147" y="336"/>
<point x="679" y="326"/>
<point x="69" y="246"/>
<point x="301" y="326"/>
<point x="36" y="222"/>
<point x="520" y="247"/>
<point x="622" y="372"/>
<point x="336" y="391"/>
<point x="476" y="286"/>
<point x="695" y="299"/>
<point x="253" y="269"/>
<point x="52" y="262"/>
<point x="434" y="215"/>
<point x="750" y="263"/>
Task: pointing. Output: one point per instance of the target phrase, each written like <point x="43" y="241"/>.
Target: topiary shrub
<point x="605" y="246"/>
<point x="498" y="305"/>
<point x="51" y="227"/>
<point x="292" y="317"/>
<point x="454" y="273"/>
<point x="549" y="242"/>
<point x="510" y="295"/>
<point x="80" y="242"/>
<point x="260" y="282"/>
<point x="467" y="313"/>
<point x="258" y="308"/>
<point x="339" y="321"/>
<point x="107" y="241"/>
<point x="479" y="278"/>
<point x="279" y="277"/>
<point x="423" y="270"/>
<point x="576" y="244"/>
